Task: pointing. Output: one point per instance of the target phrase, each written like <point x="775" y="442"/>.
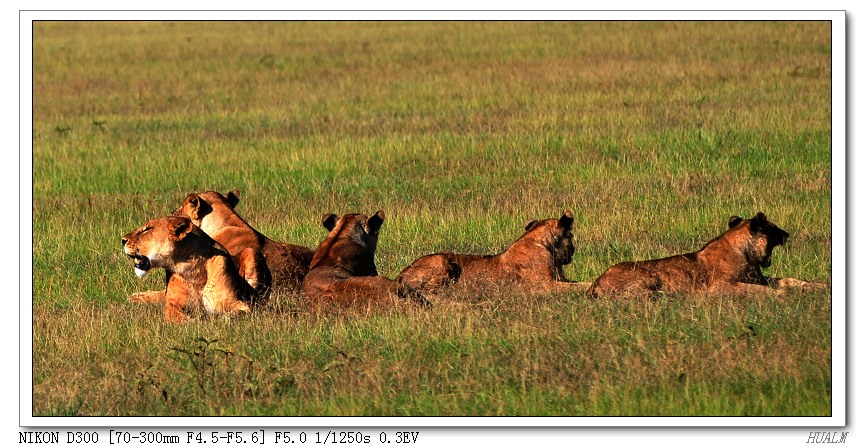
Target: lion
<point x="201" y="273"/>
<point x="283" y="266"/>
<point x="343" y="271"/>
<point x="730" y="264"/>
<point x="534" y="262"/>
<point x="214" y="213"/>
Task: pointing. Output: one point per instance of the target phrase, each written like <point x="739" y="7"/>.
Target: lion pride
<point x="533" y="262"/>
<point x="201" y="273"/>
<point x="730" y="264"/>
<point x="343" y="271"/>
<point x="260" y="259"/>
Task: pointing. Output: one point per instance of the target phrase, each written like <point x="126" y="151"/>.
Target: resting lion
<point x="214" y="213"/>
<point x="533" y="263"/>
<point x="343" y="271"/>
<point x="201" y="273"/>
<point x="282" y="267"/>
<point x="730" y="264"/>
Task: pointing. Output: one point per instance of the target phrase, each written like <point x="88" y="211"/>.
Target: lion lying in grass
<point x="215" y="215"/>
<point x="730" y="264"/>
<point x="263" y="262"/>
<point x="532" y="263"/>
<point x="343" y="271"/>
<point x="201" y="273"/>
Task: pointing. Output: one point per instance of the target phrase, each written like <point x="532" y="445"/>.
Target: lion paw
<point x="147" y="297"/>
<point x="241" y="308"/>
<point x="791" y="283"/>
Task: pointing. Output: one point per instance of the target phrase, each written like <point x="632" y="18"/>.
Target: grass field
<point x="652" y="133"/>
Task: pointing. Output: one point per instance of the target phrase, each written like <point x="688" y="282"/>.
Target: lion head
<point x="351" y="242"/>
<point x="555" y="235"/>
<point x="198" y="206"/>
<point x="760" y="237"/>
<point x="154" y="243"/>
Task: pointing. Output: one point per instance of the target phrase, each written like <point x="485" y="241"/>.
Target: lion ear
<point x="758" y="222"/>
<point x="566" y="221"/>
<point x="375" y="221"/>
<point x="179" y="228"/>
<point x="194" y="205"/>
<point x="233" y="197"/>
<point x="531" y="224"/>
<point x="734" y="220"/>
<point x="329" y="221"/>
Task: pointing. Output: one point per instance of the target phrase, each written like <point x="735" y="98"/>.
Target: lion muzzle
<point x="141" y="266"/>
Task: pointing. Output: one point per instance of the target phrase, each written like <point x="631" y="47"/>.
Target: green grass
<point x="652" y="133"/>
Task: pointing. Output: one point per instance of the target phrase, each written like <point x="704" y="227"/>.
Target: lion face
<point x="762" y="237"/>
<point x="153" y="244"/>
<point x="350" y="243"/>
<point x="556" y="236"/>
<point x="357" y="228"/>
<point x="196" y="206"/>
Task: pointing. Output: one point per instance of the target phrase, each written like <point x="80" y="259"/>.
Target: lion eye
<point x="146" y="229"/>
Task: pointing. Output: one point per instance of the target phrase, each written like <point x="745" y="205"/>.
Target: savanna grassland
<point x="652" y="133"/>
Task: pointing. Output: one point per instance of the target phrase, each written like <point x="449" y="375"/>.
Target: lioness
<point x="533" y="262"/>
<point x="343" y="271"/>
<point x="201" y="272"/>
<point x="214" y="213"/>
<point x="730" y="264"/>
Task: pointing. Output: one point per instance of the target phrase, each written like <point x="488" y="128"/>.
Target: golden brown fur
<point x="533" y="263"/>
<point x="287" y="264"/>
<point x="343" y="271"/>
<point x="201" y="273"/>
<point x="730" y="264"/>
<point x="264" y="263"/>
